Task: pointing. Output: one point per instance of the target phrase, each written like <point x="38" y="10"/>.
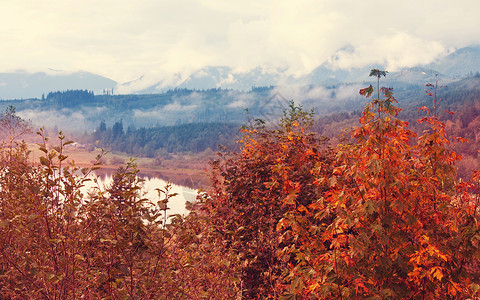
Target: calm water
<point x="176" y="204"/>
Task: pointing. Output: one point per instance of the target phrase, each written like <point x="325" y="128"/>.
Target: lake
<point x="176" y="204"/>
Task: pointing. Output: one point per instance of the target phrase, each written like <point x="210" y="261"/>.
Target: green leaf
<point x="44" y="161"/>
<point x="235" y="280"/>
<point x="79" y="257"/>
<point x="377" y="73"/>
<point x="290" y="199"/>
<point x="374" y="166"/>
<point x="43" y="149"/>
<point x="50" y="276"/>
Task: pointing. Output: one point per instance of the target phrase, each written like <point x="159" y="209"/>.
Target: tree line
<point x="69" y="98"/>
<point x="150" y="142"/>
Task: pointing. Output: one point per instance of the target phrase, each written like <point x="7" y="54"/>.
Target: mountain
<point x="417" y="76"/>
<point x="462" y="62"/>
<point x="22" y="84"/>
<point x="326" y="74"/>
<point x="224" y="77"/>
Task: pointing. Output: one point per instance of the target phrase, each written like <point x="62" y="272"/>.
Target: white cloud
<point x="300" y="93"/>
<point x="67" y="120"/>
<point x="238" y="104"/>
<point x="177" y="107"/>
<point x="171" y="38"/>
<point x="394" y="51"/>
<point x="225" y="81"/>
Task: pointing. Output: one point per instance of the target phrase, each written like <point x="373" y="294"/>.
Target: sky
<point x="168" y="39"/>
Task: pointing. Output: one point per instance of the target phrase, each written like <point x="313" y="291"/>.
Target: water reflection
<point x="176" y="204"/>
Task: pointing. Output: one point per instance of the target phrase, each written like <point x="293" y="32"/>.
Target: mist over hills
<point x="464" y="61"/>
<point x="218" y="94"/>
<point x="460" y="63"/>
<point x="22" y="85"/>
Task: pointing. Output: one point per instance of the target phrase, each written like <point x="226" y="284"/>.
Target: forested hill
<point x="82" y="111"/>
<point x="160" y="140"/>
<point x="458" y="106"/>
<point x="462" y="98"/>
<point x="184" y="120"/>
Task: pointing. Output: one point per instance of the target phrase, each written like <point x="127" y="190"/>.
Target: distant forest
<point x="184" y="120"/>
<point x="463" y="99"/>
<point x="156" y="141"/>
<point x="81" y="111"/>
<point x="208" y="130"/>
<point x="458" y="107"/>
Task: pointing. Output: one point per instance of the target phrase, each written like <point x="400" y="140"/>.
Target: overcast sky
<point x="124" y="39"/>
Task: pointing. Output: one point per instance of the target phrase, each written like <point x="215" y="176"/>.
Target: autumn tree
<point x="390" y="223"/>
<point x="252" y="190"/>
<point x="380" y="216"/>
<point x="12" y="126"/>
<point x="41" y="229"/>
<point x="378" y="73"/>
<point x="59" y="242"/>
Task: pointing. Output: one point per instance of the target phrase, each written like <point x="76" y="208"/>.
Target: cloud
<point x="226" y="81"/>
<point x="238" y="104"/>
<point x="64" y="119"/>
<point x="348" y="92"/>
<point x="171" y="39"/>
<point x="393" y="51"/>
<point x="301" y="93"/>
<point x="166" y="115"/>
<point x="320" y="98"/>
<point x="177" y="107"/>
<point x="242" y="100"/>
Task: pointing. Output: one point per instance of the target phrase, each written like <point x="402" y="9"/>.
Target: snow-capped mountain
<point x="460" y="63"/>
<point x="220" y="77"/>
<point x="464" y="61"/>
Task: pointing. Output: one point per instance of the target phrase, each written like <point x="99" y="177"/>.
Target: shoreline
<point x="185" y="170"/>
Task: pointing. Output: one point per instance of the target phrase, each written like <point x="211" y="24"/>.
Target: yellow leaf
<point x="79" y="257"/>
<point x="437" y="273"/>
<point x="302" y="208"/>
<point x="312" y="287"/>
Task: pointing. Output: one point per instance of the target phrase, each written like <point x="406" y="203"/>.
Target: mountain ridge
<point x="461" y="63"/>
<point x="22" y="85"/>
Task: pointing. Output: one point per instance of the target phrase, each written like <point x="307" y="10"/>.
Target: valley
<point x="201" y="149"/>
